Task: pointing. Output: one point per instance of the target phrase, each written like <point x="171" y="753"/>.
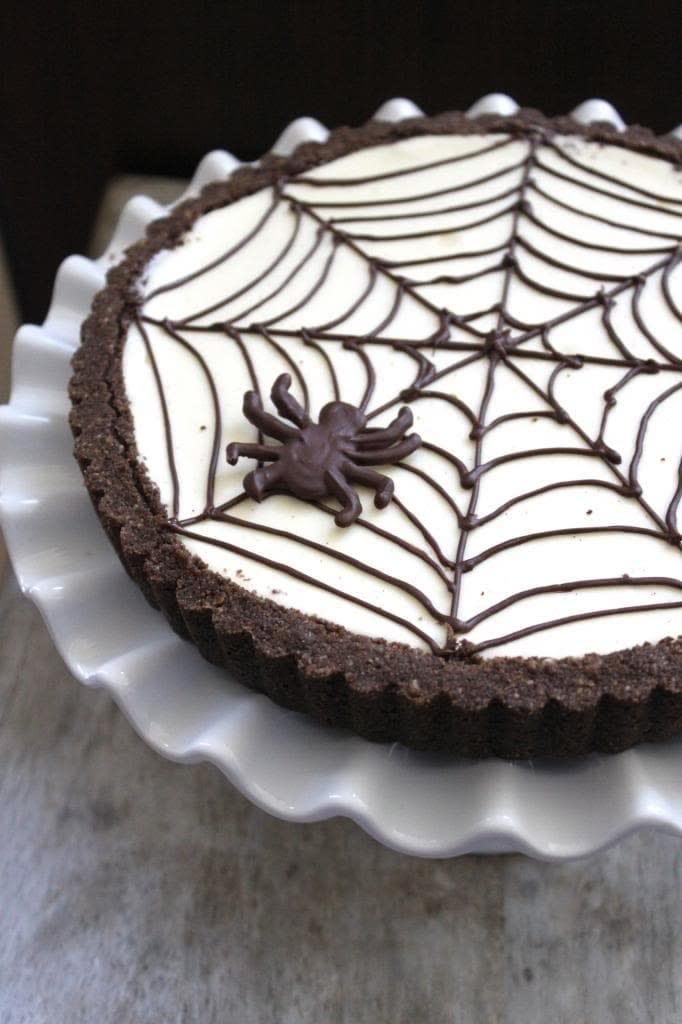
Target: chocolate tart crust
<point x="508" y="707"/>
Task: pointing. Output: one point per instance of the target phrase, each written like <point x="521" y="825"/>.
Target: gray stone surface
<point x="132" y="889"/>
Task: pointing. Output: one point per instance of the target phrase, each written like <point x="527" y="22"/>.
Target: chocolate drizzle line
<point x="166" y="417"/>
<point x="506" y="344"/>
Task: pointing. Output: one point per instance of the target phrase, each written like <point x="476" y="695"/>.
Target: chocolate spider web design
<point x="504" y="345"/>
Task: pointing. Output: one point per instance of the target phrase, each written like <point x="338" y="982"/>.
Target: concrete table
<point x="132" y="889"/>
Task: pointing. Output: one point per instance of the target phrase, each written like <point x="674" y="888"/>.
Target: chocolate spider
<point x="315" y="460"/>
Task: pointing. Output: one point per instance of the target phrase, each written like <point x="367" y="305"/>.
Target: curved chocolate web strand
<point x="509" y="344"/>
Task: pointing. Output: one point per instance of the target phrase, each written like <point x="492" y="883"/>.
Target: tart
<point x="390" y="429"/>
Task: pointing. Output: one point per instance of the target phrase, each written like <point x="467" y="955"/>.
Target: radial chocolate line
<point x="493" y="360"/>
<point x="471" y="510"/>
<point x="456" y="332"/>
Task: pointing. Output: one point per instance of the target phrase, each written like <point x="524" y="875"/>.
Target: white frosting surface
<point x="636" y="222"/>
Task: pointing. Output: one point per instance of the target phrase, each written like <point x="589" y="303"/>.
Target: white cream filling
<point x="536" y="564"/>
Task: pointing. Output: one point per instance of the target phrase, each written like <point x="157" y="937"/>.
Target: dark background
<point x="92" y="90"/>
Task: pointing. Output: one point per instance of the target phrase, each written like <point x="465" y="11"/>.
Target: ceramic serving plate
<point x="187" y="710"/>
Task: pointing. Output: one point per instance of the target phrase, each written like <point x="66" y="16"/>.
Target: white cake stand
<point x="187" y="710"/>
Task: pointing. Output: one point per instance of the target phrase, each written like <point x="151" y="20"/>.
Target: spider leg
<point x="340" y="488"/>
<point x="258" y="480"/>
<point x="270" y="425"/>
<point x="262" y="452"/>
<point x="383" y="485"/>
<point x="388" y="435"/>
<point x="387" y="455"/>
<point x="286" y="404"/>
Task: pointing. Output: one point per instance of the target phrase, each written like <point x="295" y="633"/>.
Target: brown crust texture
<point x="507" y="707"/>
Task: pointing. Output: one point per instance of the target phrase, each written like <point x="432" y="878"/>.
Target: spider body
<point x="316" y="460"/>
